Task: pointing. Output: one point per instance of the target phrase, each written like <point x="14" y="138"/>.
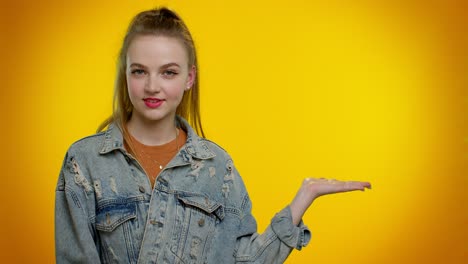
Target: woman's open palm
<point x="319" y="187"/>
<point x="312" y="188"/>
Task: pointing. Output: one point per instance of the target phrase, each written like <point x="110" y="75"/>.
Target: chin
<point x="156" y="118"/>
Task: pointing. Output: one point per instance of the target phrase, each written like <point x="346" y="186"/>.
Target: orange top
<point x="155" y="158"/>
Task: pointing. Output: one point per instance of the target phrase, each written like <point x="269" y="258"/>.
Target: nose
<point x="152" y="85"/>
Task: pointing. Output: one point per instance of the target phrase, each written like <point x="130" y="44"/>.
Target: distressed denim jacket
<point x="198" y="211"/>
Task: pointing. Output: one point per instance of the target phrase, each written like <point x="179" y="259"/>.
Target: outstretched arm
<point x="313" y="188"/>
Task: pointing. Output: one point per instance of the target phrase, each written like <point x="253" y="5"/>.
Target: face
<point x="158" y="74"/>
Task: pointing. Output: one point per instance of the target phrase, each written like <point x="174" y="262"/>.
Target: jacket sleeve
<point x="275" y="244"/>
<point x="74" y="235"/>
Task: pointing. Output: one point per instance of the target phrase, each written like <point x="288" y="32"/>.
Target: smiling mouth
<point x="153" y="102"/>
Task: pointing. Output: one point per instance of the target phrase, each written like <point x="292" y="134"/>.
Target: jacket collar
<point x="195" y="146"/>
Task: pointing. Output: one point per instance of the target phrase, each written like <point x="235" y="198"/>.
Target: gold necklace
<point x="155" y="161"/>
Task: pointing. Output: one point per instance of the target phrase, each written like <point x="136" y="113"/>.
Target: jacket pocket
<point x="116" y="227"/>
<point x="194" y="227"/>
<point x="110" y="217"/>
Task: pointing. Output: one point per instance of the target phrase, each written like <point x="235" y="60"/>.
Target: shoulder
<point x="233" y="188"/>
<point x="76" y="161"/>
<point x="218" y="150"/>
<point x="88" y="144"/>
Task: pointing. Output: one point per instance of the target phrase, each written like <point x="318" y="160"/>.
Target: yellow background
<point x="365" y="90"/>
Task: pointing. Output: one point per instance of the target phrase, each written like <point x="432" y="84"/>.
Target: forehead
<point x="151" y="50"/>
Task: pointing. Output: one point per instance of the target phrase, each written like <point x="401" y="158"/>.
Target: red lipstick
<point x="153" y="102"/>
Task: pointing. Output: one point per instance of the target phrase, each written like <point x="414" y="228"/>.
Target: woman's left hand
<point x="312" y="188"/>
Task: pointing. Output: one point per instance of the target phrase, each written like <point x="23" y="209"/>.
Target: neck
<point x="152" y="133"/>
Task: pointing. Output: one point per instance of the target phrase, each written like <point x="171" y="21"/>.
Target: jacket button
<point x="141" y="189"/>
<point x="201" y="222"/>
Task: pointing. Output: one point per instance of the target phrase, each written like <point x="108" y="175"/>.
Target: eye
<point x="138" y="72"/>
<point x="169" y="73"/>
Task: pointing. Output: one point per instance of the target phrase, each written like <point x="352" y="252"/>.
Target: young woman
<point x="149" y="189"/>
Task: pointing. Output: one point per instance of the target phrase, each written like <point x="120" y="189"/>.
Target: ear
<point x="191" y="77"/>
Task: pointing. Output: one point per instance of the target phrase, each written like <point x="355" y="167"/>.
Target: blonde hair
<point x="158" y="22"/>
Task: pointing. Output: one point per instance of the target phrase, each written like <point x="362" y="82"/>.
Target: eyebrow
<point x="163" y="66"/>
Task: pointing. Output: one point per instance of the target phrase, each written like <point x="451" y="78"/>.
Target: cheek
<point x="176" y="90"/>
<point x="176" y="93"/>
<point x="135" y="87"/>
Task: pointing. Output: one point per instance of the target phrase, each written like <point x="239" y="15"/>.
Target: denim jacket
<point x="198" y="211"/>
